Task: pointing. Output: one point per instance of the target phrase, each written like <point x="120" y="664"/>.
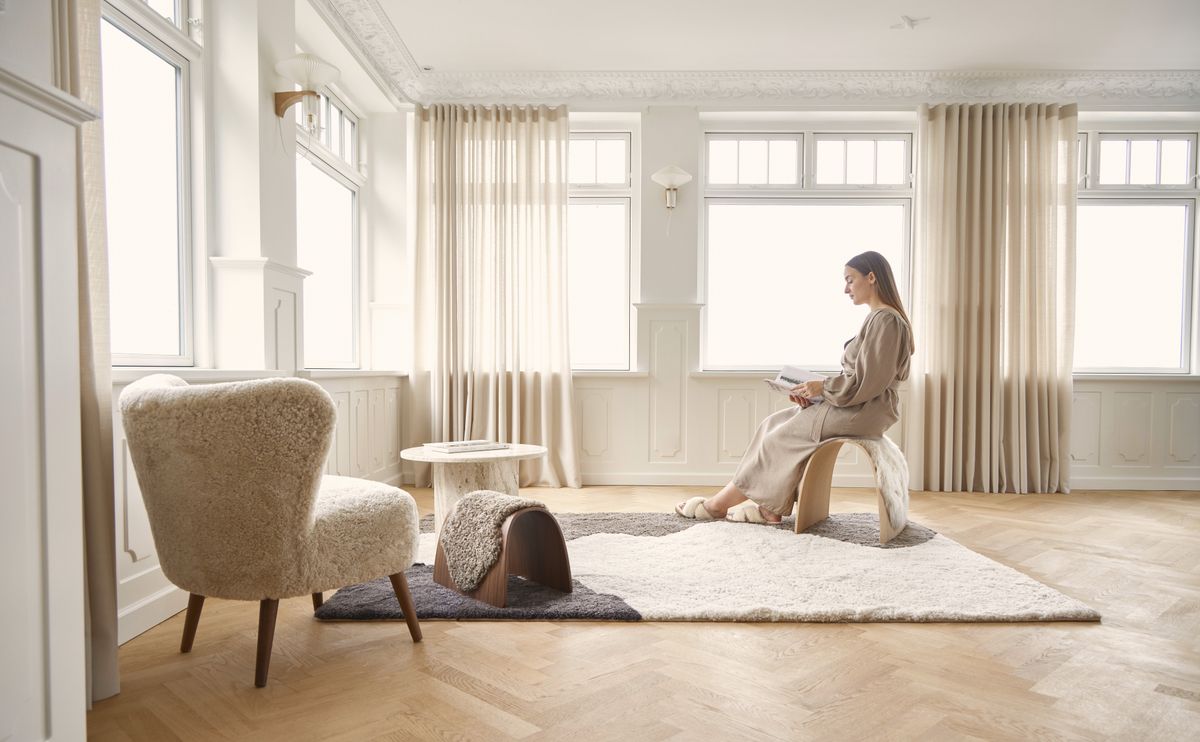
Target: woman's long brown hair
<point x="885" y="283"/>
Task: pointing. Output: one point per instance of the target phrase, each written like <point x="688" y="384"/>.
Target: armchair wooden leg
<point x="267" y="610"/>
<point x="318" y="600"/>
<point x="400" y="586"/>
<point x="191" y="621"/>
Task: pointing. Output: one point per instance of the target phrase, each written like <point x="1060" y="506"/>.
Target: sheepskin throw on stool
<point x="471" y="535"/>
<point x="891" y="476"/>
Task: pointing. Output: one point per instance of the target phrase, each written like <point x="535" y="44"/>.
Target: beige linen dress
<point x="860" y="401"/>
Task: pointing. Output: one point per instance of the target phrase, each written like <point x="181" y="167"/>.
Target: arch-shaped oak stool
<point x="531" y="546"/>
<point x="891" y="483"/>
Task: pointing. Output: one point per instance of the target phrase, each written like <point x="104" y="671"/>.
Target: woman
<point x="860" y="401"/>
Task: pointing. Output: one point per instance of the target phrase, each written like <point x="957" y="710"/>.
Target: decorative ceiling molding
<point x="364" y="23"/>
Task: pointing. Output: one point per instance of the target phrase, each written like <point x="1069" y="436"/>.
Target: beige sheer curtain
<point x="490" y="317"/>
<point x="994" y="284"/>
<point x="77" y="70"/>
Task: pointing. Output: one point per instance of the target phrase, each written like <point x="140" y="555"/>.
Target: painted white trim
<point x="52" y="101"/>
<point x="349" y="373"/>
<point x="149" y="612"/>
<point x="1134" y="483"/>
<point x="128" y="375"/>
<point x="366" y="29"/>
<point x="683" y="479"/>
<point x="260" y="263"/>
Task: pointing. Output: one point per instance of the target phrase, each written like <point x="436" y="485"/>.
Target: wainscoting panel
<point x="667" y="370"/>
<point x="1183" y="441"/>
<point x="735" y="424"/>
<point x="594" y="426"/>
<point x="138" y="542"/>
<point x="1133" y="418"/>
<point x="1085" y="429"/>
<point x="339" y="450"/>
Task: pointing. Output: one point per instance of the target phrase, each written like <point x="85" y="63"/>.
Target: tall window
<point x="1134" y="248"/>
<point x="328" y="180"/>
<point x="146" y="74"/>
<point x="783" y="212"/>
<point x="598" y="248"/>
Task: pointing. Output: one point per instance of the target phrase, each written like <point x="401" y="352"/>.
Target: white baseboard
<point x="150" y="612"/>
<point x="1135" y="483"/>
<point x="696" y="479"/>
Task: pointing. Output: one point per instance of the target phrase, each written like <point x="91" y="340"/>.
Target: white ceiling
<point x="683" y="35"/>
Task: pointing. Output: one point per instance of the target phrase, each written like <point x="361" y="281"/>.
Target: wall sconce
<point x="670" y="178"/>
<point x="309" y="72"/>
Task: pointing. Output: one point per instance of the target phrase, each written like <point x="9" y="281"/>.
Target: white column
<point x="257" y="290"/>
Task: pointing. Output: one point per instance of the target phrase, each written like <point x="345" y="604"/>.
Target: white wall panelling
<point x="1137" y="434"/>
<point x="668" y="347"/>
<point x="41" y="521"/>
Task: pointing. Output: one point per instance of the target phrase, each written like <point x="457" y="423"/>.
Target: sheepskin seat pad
<point x="471" y="534"/>
<point x="891" y="480"/>
<point x="231" y="475"/>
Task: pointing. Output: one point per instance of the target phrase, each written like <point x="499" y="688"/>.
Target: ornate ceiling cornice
<point x="365" y="24"/>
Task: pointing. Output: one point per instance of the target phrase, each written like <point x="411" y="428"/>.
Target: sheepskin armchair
<point x="231" y="475"/>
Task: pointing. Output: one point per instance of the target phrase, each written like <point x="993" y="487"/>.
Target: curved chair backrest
<point x="229" y="474"/>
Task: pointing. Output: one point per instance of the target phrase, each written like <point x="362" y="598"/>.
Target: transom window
<point x="754" y="160"/>
<point x="1146" y="160"/>
<point x="862" y="160"/>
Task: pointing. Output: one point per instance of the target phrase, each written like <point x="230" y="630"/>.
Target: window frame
<point x="802" y="140"/>
<point x="806" y="190"/>
<point x="1098" y="127"/>
<point x="818" y="136"/>
<point x="159" y="36"/>
<point x="1189" y="285"/>
<point x="600" y="193"/>
<point x="1097" y="138"/>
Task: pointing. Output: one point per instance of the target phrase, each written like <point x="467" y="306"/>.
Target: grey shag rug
<point x="660" y="567"/>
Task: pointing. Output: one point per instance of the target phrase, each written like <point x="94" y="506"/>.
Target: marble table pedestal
<point x="456" y="475"/>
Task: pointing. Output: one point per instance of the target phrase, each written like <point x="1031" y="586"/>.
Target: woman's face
<point x="859" y="288"/>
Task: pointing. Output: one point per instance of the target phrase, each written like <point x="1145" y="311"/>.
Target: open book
<point x="465" y="446"/>
<point x="790" y="376"/>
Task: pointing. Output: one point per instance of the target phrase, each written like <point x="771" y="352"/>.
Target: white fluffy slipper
<point x="694" y="509"/>
<point x="747" y="513"/>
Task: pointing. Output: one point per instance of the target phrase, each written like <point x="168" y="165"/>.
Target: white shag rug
<point x="720" y="571"/>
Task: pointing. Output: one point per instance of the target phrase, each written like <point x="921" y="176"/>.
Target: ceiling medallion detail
<point x="366" y="25"/>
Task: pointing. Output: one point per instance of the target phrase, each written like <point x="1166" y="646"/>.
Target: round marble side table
<point x="456" y="475"/>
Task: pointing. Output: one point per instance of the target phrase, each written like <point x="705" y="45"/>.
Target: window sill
<point x="130" y="374"/>
<point x="615" y="374"/>
<point x="347" y="373"/>
<point x="1077" y="378"/>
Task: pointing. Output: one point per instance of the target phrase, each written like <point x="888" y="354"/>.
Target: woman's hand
<point x="809" y="389"/>
<point x="802" y="393"/>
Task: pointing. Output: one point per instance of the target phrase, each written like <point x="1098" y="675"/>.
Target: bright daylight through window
<point x="598" y="226"/>
<point x="146" y="195"/>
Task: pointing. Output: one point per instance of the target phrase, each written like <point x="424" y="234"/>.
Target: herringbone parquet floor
<point x="1135" y="676"/>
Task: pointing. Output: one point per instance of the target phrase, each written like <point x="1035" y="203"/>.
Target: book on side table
<point x="465" y="446"/>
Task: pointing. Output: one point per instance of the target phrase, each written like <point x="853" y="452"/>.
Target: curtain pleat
<point x="77" y="71"/>
<point x="994" y="280"/>
<point x="490" y="327"/>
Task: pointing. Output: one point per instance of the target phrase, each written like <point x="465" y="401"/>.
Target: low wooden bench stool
<point x="891" y="482"/>
<point x="531" y="546"/>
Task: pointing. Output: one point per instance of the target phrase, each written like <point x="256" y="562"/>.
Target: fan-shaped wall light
<point x="670" y="178"/>
<point x="310" y="72"/>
